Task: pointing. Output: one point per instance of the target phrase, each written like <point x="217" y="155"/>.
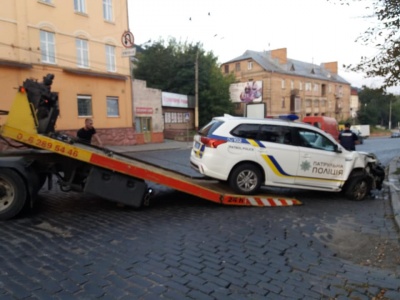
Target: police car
<point x="248" y="153"/>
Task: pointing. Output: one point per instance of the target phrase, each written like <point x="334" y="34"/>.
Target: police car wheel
<point x="245" y="179"/>
<point x="358" y="187"/>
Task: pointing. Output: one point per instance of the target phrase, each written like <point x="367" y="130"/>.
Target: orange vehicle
<point x="327" y="124"/>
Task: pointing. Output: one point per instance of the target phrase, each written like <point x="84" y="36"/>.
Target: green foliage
<point x="385" y="36"/>
<point x="171" y="68"/>
<point x="375" y="107"/>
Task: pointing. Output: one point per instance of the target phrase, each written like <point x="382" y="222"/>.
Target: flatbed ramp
<point x="21" y="127"/>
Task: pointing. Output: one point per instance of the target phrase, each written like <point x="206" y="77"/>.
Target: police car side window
<point x="247" y="131"/>
<point x="315" y="140"/>
<point x="275" y="134"/>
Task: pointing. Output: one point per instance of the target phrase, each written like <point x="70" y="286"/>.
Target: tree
<point x="171" y="68"/>
<point x="385" y="37"/>
<point x="375" y="107"/>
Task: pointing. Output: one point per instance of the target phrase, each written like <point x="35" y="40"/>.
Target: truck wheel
<point x="245" y="179"/>
<point x="358" y="187"/>
<point x="12" y="194"/>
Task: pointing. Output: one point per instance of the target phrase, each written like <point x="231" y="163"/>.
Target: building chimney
<point x="280" y="54"/>
<point x="331" y="67"/>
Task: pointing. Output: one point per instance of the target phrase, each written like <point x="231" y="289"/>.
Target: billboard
<point x="246" y="92"/>
<point x="174" y="100"/>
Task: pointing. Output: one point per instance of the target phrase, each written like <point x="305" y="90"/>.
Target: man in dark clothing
<point x="348" y="139"/>
<point x="86" y="133"/>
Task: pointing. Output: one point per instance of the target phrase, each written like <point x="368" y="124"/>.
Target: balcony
<point x="338" y="95"/>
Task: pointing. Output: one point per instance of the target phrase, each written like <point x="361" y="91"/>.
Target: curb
<point x="394" y="183"/>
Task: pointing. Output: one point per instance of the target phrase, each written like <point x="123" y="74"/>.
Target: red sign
<point x="127" y="39"/>
<point x="144" y="110"/>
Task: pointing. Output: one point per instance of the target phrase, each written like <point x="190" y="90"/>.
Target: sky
<point x="314" y="31"/>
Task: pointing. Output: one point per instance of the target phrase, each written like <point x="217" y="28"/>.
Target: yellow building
<point x="80" y="42"/>
<point x="290" y="86"/>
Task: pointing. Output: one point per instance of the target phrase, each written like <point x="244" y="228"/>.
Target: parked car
<point x="248" y="153"/>
<point x="395" y="134"/>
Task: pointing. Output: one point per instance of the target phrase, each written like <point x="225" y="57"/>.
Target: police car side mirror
<point x="337" y="149"/>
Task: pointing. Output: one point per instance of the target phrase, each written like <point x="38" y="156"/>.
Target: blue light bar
<point x="289" y="117"/>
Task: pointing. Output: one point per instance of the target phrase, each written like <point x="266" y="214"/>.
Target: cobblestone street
<point x="181" y="247"/>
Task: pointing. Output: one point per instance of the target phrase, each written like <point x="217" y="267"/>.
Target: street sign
<point x="128" y="52"/>
<point x="127" y="39"/>
<point x="187" y="117"/>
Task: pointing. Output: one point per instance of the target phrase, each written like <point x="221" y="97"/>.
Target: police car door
<point x="278" y="156"/>
<point x="319" y="165"/>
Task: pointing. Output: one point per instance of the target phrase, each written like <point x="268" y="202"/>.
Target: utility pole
<point x="196" y="92"/>
<point x="390" y="114"/>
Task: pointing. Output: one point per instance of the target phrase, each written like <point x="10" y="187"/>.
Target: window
<point x="275" y="134"/>
<point x="82" y="53"/>
<point x="237" y="67"/>
<point x="107" y="10"/>
<point x="110" y="58"/>
<point x="247" y="131"/>
<point x="266" y="133"/>
<point x="312" y="139"/>
<point x="249" y="65"/>
<point x="283" y="102"/>
<point x="112" y="107"/>
<point x="47" y="47"/>
<point x="316" y="87"/>
<point x="84" y="105"/>
<point x="323" y="89"/>
<point x="291" y="84"/>
<point x="300" y="86"/>
<point x="308" y="86"/>
<point x="339" y="91"/>
<point x="176" y="117"/>
<point x="283" y="83"/>
<point x="308" y="103"/>
<point x="226" y="69"/>
<point x="143" y="124"/>
<point x="80" y="6"/>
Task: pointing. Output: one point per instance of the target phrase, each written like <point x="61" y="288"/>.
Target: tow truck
<point x="43" y="154"/>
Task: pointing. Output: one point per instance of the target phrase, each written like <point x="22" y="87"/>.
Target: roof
<point x="291" y="67"/>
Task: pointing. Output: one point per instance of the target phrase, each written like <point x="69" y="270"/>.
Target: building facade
<point x="80" y="42"/>
<point x="149" y="123"/>
<point x="289" y="86"/>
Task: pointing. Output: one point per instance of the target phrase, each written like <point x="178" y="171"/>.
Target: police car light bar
<point x="289" y="117"/>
